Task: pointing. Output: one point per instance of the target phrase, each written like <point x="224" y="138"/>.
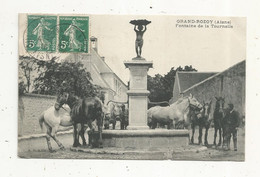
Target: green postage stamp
<point x="73" y="34"/>
<point x="46" y="34"/>
<point x="41" y="33"/>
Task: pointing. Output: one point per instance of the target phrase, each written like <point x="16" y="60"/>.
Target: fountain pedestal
<point x="138" y="93"/>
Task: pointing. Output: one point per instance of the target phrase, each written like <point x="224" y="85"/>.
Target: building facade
<point x="112" y="86"/>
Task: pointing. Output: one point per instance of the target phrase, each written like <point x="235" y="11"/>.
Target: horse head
<point x="206" y="109"/>
<point x="117" y="112"/>
<point x="193" y="102"/>
<point x="220" y="103"/>
<point x="116" y="109"/>
<point x="61" y="100"/>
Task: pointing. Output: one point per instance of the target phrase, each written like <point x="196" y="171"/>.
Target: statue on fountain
<point x="140" y="28"/>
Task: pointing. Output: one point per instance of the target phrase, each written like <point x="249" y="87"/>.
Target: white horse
<point x="175" y="114"/>
<point x="53" y="119"/>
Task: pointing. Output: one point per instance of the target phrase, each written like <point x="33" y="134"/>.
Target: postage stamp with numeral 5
<point x="73" y="34"/>
<point x="41" y="33"/>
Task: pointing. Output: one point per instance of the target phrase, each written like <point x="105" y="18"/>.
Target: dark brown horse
<point x="203" y="119"/>
<point x="219" y="114"/>
<point x="84" y="111"/>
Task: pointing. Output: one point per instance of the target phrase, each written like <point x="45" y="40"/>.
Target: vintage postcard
<point x="151" y="87"/>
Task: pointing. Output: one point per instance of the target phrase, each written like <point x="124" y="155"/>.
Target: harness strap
<point x="65" y="109"/>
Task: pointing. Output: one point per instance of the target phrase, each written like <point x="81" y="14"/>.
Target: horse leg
<point x="106" y="125"/>
<point x="82" y="132"/>
<point x="200" y="134"/>
<point x="53" y="135"/>
<point x="48" y="137"/>
<point x="114" y="124"/>
<point x="193" y="131"/>
<point x="215" y="135"/>
<point x="220" y="137"/>
<point x="124" y="125"/>
<point x="79" y="128"/>
<point x="90" y="134"/>
<point x="100" y="141"/>
<point x="206" y="136"/>
<point x="121" y="125"/>
<point x="76" y="135"/>
<point x="154" y="124"/>
<point x="228" y="143"/>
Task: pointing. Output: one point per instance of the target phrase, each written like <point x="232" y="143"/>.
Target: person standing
<point x="232" y="124"/>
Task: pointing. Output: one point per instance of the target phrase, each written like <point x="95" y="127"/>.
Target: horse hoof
<point x="52" y="151"/>
<point x="63" y="148"/>
<point x="76" y="145"/>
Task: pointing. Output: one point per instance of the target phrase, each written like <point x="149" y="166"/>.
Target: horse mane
<point x="76" y="108"/>
<point x="181" y="99"/>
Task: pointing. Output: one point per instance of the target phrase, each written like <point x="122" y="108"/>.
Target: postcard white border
<point x="11" y="165"/>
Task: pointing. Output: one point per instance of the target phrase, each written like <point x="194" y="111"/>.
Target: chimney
<point x="103" y="58"/>
<point x="94" y="45"/>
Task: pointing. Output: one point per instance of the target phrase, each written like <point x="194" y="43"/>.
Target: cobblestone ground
<point x="192" y="152"/>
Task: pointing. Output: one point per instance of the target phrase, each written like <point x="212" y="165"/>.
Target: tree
<point x="156" y="88"/>
<point x="161" y="87"/>
<point x="27" y="65"/>
<point x="67" y="76"/>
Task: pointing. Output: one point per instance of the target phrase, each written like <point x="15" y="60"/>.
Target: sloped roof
<point x="102" y="66"/>
<point x="95" y="65"/>
<point x="239" y="68"/>
<point x="188" y="79"/>
<point x="97" y="79"/>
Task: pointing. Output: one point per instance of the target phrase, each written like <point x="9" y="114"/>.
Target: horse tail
<point x="41" y="120"/>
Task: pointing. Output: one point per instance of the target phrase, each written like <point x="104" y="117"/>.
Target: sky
<point x="206" y="49"/>
<point x="165" y="43"/>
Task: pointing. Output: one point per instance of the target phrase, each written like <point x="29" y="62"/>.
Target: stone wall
<point x="34" y="105"/>
<point x="233" y="88"/>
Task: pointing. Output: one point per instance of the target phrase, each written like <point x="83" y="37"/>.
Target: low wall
<point x="134" y="139"/>
<point x="140" y="139"/>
